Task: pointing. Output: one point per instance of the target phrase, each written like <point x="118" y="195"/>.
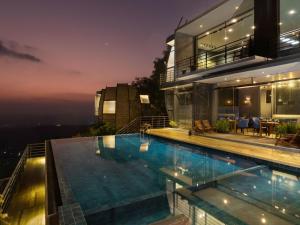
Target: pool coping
<point x="268" y="161"/>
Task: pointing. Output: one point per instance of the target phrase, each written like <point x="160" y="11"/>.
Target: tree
<point x="151" y="85"/>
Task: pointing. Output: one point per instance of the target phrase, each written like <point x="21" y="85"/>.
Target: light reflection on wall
<point x="109" y="141"/>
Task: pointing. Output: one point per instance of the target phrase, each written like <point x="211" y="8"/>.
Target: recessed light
<point x="280" y="23"/>
<point x="225" y="38"/>
<point x="247" y="35"/>
<point x="238" y="80"/>
<point x="225" y="201"/>
<point x="268" y="76"/>
<point x="234" y="20"/>
<point x="207" y="33"/>
<point x="230" y="30"/>
<point x="254" y="82"/>
<point x="292" y="12"/>
<point x="236" y="8"/>
<point x="263" y="220"/>
<point x="253" y="27"/>
<point x="201" y="25"/>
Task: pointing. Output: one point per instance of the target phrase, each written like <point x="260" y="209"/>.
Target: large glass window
<point x="109" y="107"/>
<point x="228" y="102"/>
<point x="289" y="15"/>
<point x="287" y="98"/>
<point x="226" y="43"/>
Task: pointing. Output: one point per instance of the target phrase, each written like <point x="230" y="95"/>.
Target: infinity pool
<point x="133" y="179"/>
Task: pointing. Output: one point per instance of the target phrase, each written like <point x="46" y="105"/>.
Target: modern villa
<point x="239" y="59"/>
<point x="237" y="64"/>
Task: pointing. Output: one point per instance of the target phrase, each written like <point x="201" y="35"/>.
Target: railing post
<point x="205" y="60"/>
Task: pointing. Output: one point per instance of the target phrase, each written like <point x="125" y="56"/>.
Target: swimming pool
<point x="133" y="179"/>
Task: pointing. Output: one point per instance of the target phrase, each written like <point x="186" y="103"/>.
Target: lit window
<point x="144" y="99"/>
<point x="109" y="107"/>
<point x="97" y="102"/>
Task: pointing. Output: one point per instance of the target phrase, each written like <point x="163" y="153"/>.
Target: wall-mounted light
<point x="247" y="100"/>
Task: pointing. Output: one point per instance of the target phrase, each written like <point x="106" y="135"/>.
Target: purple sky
<point x="66" y="50"/>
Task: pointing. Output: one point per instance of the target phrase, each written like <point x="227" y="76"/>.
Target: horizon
<point x="46" y="60"/>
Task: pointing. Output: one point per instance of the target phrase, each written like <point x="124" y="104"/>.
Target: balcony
<point x="204" y="60"/>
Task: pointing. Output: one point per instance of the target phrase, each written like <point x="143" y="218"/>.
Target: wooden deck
<point x="27" y="206"/>
<point x="270" y="154"/>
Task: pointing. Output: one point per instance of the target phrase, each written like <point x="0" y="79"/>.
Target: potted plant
<point x="222" y="126"/>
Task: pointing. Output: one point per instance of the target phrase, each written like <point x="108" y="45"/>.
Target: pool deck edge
<point x="269" y="154"/>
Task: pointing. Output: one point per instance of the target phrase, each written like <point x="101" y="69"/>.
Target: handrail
<point x="31" y="150"/>
<point x="6" y="194"/>
<point x="135" y="125"/>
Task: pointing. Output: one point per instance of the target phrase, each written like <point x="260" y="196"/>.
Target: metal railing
<point x="289" y="41"/>
<point x="207" y="59"/>
<point x="135" y="125"/>
<point x="31" y="150"/>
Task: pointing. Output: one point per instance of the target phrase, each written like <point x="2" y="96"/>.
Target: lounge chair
<point x="198" y="128"/>
<point x="207" y="126"/>
<point x="290" y="141"/>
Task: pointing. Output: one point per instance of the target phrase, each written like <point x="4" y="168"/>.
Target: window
<point x="144" y="99"/>
<point x="286" y="101"/>
<point x="109" y="107"/>
<point x="289" y="15"/>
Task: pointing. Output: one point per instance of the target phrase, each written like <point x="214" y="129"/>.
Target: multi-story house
<point x="240" y="58"/>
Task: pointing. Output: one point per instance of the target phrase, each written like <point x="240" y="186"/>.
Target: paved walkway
<point x="27" y="206"/>
<point x="265" y="153"/>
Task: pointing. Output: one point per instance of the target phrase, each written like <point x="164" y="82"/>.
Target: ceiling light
<point x="201" y="25"/>
<point x="225" y="38"/>
<point x="230" y="30"/>
<point x="234" y="20"/>
<point x="268" y="76"/>
<point x="207" y="33"/>
<point x="280" y="24"/>
<point x="254" y="82"/>
<point x="225" y="201"/>
<point x="292" y="12"/>
<point x="175" y="174"/>
<point x="236" y="8"/>
<point x="247" y="35"/>
<point x="253" y="27"/>
<point x="263" y="220"/>
<point x="238" y="81"/>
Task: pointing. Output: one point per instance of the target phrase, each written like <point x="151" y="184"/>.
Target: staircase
<point x="135" y="125"/>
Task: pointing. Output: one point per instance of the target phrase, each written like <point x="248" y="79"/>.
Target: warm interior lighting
<point x="109" y="107"/>
<point x="247" y="100"/>
<point x="247" y="35"/>
<point x="144" y="99"/>
<point x="226" y="38"/>
<point x="201" y="26"/>
<point x="175" y="174"/>
<point x="230" y="30"/>
<point x="225" y="201"/>
<point x="238" y="80"/>
<point x="263" y="220"/>
<point x="234" y="20"/>
<point x="253" y="27"/>
<point x="207" y="33"/>
<point x="280" y="24"/>
<point x="292" y="12"/>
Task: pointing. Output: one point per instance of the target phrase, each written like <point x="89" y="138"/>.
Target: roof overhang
<point x="217" y="15"/>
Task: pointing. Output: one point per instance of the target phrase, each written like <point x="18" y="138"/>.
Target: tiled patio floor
<point x="268" y="152"/>
<point x="27" y="206"/>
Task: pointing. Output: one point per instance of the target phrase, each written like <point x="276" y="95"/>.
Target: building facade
<point x="240" y="58"/>
<point x="117" y="105"/>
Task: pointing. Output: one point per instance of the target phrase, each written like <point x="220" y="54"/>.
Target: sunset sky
<point x="65" y="50"/>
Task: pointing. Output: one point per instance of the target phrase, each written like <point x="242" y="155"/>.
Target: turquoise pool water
<point x="133" y="179"/>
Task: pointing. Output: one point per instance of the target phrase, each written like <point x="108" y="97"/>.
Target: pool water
<point x="134" y="179"/>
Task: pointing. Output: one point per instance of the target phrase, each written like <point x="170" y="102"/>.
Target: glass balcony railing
<point x="225" y="54"/>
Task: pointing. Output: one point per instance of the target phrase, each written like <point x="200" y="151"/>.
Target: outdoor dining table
<point x="270" y="125"/>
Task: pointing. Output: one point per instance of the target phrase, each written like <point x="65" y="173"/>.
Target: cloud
<point x="12" y="52"/>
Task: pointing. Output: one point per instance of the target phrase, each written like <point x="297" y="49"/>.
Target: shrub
<point x="173" y="123"/>
<point x="222" y="126"/>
